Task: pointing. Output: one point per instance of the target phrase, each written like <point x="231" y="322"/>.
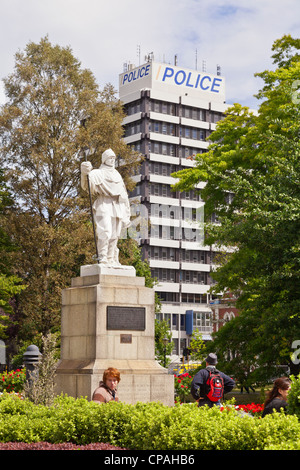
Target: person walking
<point x="200" y="388"/>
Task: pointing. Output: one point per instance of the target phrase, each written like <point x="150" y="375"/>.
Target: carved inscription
<point x="126" y="318"/>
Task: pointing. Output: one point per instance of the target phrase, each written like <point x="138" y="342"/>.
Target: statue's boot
<point x="113" y="253"/>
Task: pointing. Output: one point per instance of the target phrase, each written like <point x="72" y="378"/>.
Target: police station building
<point x="171" y="111"/>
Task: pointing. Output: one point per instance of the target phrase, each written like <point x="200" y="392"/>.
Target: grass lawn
<point x="246" y="398"/>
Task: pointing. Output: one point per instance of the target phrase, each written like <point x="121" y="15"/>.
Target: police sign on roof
<point x="175" y="79"/>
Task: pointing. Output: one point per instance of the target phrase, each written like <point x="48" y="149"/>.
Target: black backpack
<point x="214" y="386"/>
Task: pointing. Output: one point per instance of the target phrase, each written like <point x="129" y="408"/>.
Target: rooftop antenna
<point x="149" y="57"/>
<point x="175" y="60"/>
<point x="138" y="53"/>
<point x="203" y="66"/>
<point x="196" y="60"/>
<point x="218" y="69"/>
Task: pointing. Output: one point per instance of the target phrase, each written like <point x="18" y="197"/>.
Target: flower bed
<point x="253" y="409"/>
<point x="13" y="381"/>
<point x="182" y="385"/>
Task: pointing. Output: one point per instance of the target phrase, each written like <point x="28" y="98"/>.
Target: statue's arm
<point x="86" y="167"/>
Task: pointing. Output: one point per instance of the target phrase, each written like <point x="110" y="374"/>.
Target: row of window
<point x="133" y="128"/>
<point x="171" y="109"/>
<point x="202" y="321"/>
<point x="171" y="150"/>
<point x="187" y="277"/>
<point x="166" y="128"/>
<point x="164" y="169"/>
<point x="165" y="190"/>
<point x="188" y="234"/>
<point x="176" y="212"/>
<point x="177" y="297"/>
<point x="175" y="254"/>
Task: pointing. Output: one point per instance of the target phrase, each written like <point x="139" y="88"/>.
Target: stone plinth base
<point x="93" y="308"/>
<point x="94" y="269"/>
<point x="141" y="381"/>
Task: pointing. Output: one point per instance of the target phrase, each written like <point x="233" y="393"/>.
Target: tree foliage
<point x="197" y="347"/>
<point x="53" y="116"/>
<point x="252" y="184"/>
<point x="162" y="336"/>
<point x="10" y="285"/>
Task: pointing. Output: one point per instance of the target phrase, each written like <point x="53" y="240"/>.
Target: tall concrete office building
<point x="171" y="111"/>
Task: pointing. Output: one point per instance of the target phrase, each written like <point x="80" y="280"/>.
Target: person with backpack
<point x="209" y="384"/>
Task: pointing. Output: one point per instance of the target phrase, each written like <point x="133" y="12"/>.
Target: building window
<point x="202" y="322"/>
<point x="167" y="317"/>
<point x="193" y="298"/>
<point x="175" y="348"/>
<point x="174" y="321"/>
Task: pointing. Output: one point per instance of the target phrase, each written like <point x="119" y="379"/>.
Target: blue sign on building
<point x="189" y="322"/>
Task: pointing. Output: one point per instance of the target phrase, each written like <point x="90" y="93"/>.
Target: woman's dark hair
<point x="282" y="383"/>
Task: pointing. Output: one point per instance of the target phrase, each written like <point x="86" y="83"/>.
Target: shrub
<point x="41" y="389"/>
<point x="144" y="426"/>
<point x="294" y="396"/>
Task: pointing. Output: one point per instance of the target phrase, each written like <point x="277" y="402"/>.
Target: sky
<point x="236" y="35"/>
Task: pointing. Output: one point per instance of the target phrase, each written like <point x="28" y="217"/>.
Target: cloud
<point x="237" y="35"/>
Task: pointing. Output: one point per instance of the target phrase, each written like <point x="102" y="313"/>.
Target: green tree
<point x="197" y="347"/>
<point x="163" y="342"/>
<point x="10" y="285"/>
<point x="252" y="184"/>
<point x="53" y="114"/>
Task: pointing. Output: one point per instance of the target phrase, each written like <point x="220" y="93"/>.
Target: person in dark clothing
<point x="277" y="398"/>
<point x="198" y="387"/>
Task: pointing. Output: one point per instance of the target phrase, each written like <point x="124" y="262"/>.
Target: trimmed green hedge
<point x="146" y="426"/>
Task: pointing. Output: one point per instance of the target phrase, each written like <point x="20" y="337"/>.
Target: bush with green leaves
<point x="144" y="426"/>
<point x="294" y="396"/>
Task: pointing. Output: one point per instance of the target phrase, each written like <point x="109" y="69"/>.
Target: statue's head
<point x="108" y="157"/>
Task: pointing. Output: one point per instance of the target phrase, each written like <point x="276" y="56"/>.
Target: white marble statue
<point x="111" y="208"/>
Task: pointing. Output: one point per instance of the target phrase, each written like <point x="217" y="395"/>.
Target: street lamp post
<point x="31" y="358"/>
<point x="165" y="341"/>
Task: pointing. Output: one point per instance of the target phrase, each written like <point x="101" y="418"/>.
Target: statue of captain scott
<point x="111" y="208"/>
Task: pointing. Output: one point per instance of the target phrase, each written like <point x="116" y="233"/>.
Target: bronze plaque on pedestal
<point x="126" y="339"/>
<point x="126" y="318"/>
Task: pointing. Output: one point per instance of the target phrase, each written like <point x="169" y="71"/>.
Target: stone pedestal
<point x="108" y="321"/>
